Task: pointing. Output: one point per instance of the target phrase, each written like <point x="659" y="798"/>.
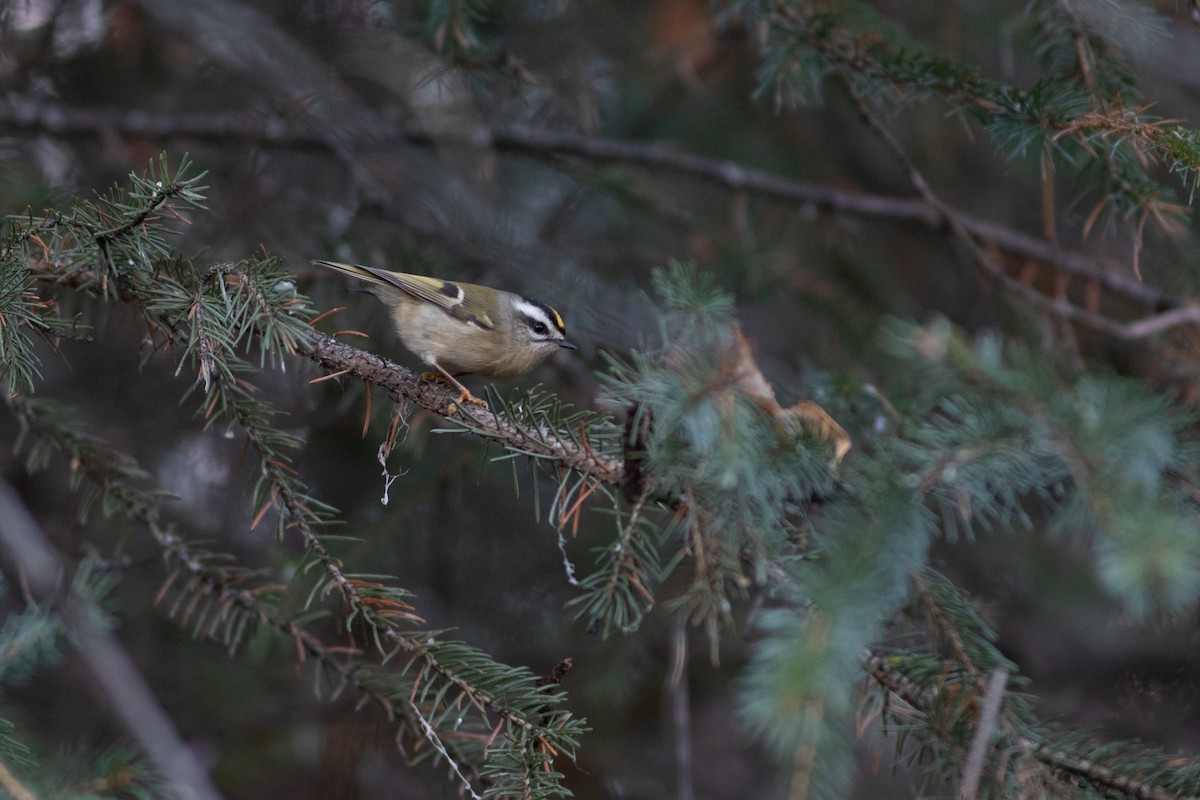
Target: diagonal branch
<point x="982" y="739"/>
<point x="204" y="574"/>
<point x="295" y="506"/>
<point x="923" y="699"/>
<point x="114" y="675"/>
<point x="1167" y="312"/>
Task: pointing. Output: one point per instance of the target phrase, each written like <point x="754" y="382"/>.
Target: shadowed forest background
<point x="241" y="558"/>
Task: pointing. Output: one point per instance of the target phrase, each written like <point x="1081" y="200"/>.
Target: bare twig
<point x="431" y="735"/>
<point x="13" y="786"/>
<point x="965" y="231"/>
<point x="115" y="677"/>
<point x="982" y="739"/>
<point x="924" y="699"/>
<point x="681" y="713"/>
<point x="62" y="120"/>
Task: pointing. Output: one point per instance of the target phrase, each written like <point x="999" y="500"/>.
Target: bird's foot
<point x="464" y="394"/>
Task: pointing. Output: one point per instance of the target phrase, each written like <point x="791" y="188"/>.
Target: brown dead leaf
<point x="803" y="417"/>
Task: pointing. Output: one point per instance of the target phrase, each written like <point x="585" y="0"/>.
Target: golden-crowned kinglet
<point x="463" y="328"/>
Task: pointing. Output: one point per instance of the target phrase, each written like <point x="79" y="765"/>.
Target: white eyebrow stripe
<point x="534" y="312"/>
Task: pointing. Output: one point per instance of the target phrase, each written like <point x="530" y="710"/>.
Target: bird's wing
<point x="449" y="296"/>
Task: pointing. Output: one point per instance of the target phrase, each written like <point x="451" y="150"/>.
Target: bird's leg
<point x="464" y="396"/>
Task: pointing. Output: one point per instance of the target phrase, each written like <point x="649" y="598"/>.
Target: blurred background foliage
<point x="967" y="232"/>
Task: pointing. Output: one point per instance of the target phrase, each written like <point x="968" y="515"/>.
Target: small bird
<point x="463" y="328"/>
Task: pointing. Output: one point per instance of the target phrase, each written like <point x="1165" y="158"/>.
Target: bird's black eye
<point x="539" y="328"/>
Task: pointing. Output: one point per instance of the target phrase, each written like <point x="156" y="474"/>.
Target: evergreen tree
<point x="836" y="452"/>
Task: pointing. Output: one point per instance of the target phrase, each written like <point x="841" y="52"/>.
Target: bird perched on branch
<point x="464" y="328"/>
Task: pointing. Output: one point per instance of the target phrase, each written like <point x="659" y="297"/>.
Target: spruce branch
<point x="925" y="687"/>
<point x="993" y="262"/>
<point x="379" y="609"/>
<point x="151" y="193"/>
<point x="943" y="626"/>
<point x="208" y="317"/>
<point x="117" y="234"/>
<point x="211" y="591"/>
<point x="22" y="312"/>
<point x="820" y="40"/>
<point x="402" y="383"/>
<point x="212" y="601"/>
<point x="923" y="698"/>
<point x="1111" y="781"/>
<point x="28" y="640"/>
<point x="902" y="71"/>
<point x="965" y="451"/>
<point x="172" y="301"/>
<point x="112" y="478"/>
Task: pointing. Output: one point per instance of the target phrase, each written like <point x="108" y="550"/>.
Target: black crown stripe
<point x="551" y="314"/>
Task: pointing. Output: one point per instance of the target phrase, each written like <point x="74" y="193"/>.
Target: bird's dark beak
<point x="567" y="345"/>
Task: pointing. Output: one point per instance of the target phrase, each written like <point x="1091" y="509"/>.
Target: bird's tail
<point x="354" y="271"/>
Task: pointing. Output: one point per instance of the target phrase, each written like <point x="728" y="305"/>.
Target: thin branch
<point x="1082" y="49"/>
<point x="39" y="117"/>
<point x="924" y="699"/>
<point x="402" y="383"/>
<point x="681" y="713"/>
<point x="432" y="736"/>
<point x="1097" y="774"/>
<point x="160" y="196"/>
<point x="14" y="786"/>
<point x="982" y="739"/>
<point x="988" y="259"/>
<point x="944" y="626"/>
<point x="298" y="515"/>
<point x="221" y="585"/>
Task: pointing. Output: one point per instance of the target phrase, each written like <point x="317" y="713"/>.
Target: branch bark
<point x="402" y="383"/>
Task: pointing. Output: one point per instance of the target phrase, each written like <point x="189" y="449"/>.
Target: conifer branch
<point x="979" y="460"/>
<point x="157" y="198"/>
<point x="398" y="381"/>
<point x="377" y="608"/>
<point x="875" y="64"/>
<point x="402" y="383"/>
<point x="293" y="503"/>
<point x="991" y="261"/>
<point x="894" y="681"/>
<point x="221" y="583"/>
<point x="920" y="682"/>
<point x="232" y="604"/>
<point x="211" y="315"/>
